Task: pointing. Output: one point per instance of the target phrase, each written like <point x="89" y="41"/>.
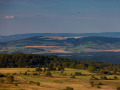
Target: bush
<point x="16" y="84"/>
<point x="48" y="74"/>
<point x="38" y="69"/>
<point x="64" y="74"/>
<point x="2" y="75"/>
<point x="77" y="73"/>
<point x="14" y="73"/>
<point x="38" y="83"/>
<point x="118" y="88"/>
<point x="35" y="74"/>
<point x="25" y="73"/>
<point x="44" y="70"/>
<point x="60" y="68"/>
<point x="30" y="82"/>
<point x="105" y="72"/>
<point x="1" y="81"/>
<point x="68" y="88"/>
<point x="93" y="78"/>
<point x="7" y="73"/>
<point x="92" y="69"/>
<point x="92" y="83"/>
<point x="115" y="77"/>
<point x="100" y="83"/>
<point x="73" y="76"/>
<point x="10" y="78"/>
<point x="98" y="86"/>
<point x="103" y="77"/>
<point x="20" y="73"/>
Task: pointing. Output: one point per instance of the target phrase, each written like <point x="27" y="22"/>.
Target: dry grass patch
<point x="15" y="70"/>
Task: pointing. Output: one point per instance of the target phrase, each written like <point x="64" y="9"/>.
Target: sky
<point x="59" y="16"/>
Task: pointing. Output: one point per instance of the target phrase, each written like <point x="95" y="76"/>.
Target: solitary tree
<point x="91" y="69"/>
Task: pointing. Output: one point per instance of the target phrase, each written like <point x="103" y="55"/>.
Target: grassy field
<point x="57" y="82"/>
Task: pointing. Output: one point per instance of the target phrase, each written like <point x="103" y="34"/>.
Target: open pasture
<point x="58" y="81"/>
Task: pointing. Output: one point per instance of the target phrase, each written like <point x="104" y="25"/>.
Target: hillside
<point x="23" y="36"/>
<point x="56" y="44"/>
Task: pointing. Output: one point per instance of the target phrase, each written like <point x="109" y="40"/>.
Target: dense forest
<point x="20" y="60"/>
<point x="111" y="57"/>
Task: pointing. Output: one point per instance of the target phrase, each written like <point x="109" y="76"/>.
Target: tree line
<point x="20" y="60"/>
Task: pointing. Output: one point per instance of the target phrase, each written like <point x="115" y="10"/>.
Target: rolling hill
<point x="58" y="44"/>
<point x="23" y="36"/>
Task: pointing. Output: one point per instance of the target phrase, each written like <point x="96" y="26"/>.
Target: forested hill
<point x="39" y="40"/>
<point x="31" y="60"/>
<point x="111" y="57"/>
<point x="55" y="44"/>
<point x="23" y="36"/>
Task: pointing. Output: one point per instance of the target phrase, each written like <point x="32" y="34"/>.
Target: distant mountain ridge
<point x="97" y="48"/>
<point x="58" y="44"/>
<point x="23" y="36"/>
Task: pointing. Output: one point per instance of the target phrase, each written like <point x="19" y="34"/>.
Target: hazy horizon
<point x="59" y="16"/>
<point x="61" y="33"/>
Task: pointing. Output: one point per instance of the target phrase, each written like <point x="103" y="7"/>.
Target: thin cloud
<point x="9" y="17"/>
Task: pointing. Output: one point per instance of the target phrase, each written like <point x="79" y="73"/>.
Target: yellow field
<point x="57" y="82"/>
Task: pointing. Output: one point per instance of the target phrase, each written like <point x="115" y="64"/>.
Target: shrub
<point x="38" y="83"/>
<point x="92" y="69"/>
<point x="98" y="86"/>
<point x="100" y="83"/>
<point x="61" y="71"/>
<point x="25" y="73"/>
<point x="48" y="74"/>
<point x="92" y="83"/>
<point x="64" y="74"/>
<point x="38" y="69"/>
<point x="105" y="72"/>
<point x="14" y="73"/>
<point x="35" y="74"/>
<point x="20" y="73"/>
<point x="2" y="75"/>
<point x="8" y="74"/>
<point x="44" y="70"/>
<point x="30" y="82"/>
<point x="115" y="77"/>
<point x="60" y="68"/>
<point x="16" y="84"/>
<point x="93" y="78"/>
<point x="51" y="68"/>
<point x="77" y="73"/>
<point x="10" y="78"/>
<point x="118" y="88"/>
<point x="73" y="76"/>
<point x="1" y="81"/>
<point x="103" y="77"/>
<point x="68" y="88"/>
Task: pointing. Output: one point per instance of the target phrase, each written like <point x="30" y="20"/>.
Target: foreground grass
<point x="57" y="82"/>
